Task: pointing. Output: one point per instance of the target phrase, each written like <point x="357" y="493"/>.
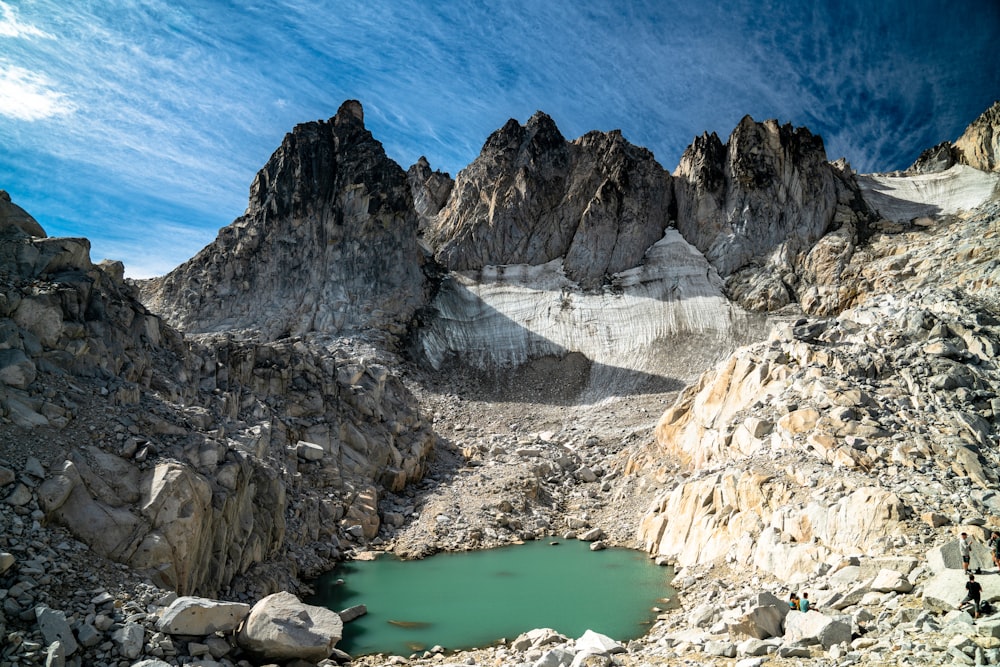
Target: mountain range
<point x="761" y="361"/>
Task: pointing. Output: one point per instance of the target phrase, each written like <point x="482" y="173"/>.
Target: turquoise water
<point x="470" y="599"/>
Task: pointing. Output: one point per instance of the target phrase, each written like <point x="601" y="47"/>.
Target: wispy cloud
<point x="11" y="26"/>
<point x="25" y="95"/>
<point x="158" y="113"/>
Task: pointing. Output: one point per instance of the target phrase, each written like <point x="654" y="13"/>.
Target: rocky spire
<point x="531" y="197"/>
<point x="760" y="202"/>
<point x="328" y="243"/>
<point x="430" y="189"/>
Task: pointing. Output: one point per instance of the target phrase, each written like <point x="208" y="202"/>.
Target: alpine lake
<point x="477" y="598"/>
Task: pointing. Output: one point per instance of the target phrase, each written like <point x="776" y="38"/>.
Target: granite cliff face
<point x="978" y="147"/>
<point x="757" y="207"/>
<point x="596" y="203"/>
<point x="328" y="243"/>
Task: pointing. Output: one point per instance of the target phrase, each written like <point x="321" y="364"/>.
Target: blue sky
<point x="140" y="124"/>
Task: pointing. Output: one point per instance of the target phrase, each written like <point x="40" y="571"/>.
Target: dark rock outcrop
<point x="328" y="243"/>
<point x="187" y="460"/>
<point x="934" y="160"/>
<point x="12" y="215"/>
<point x="532" y="197"/>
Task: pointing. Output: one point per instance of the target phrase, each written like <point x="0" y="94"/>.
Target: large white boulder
<point x="189" y="615"/>
<point x="945" y="590"/>
<point x="812" y="627"/>
<point x="281" y="627"/>
<point x="765" y="618"/>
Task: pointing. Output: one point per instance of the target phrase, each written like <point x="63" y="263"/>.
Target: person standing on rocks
<point x="965" y="550"/>
<point x="974" y="594"/>
<point x="994" y="545"/>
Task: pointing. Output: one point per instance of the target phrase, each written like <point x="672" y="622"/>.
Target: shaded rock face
<point x="759" y="203"/>
<point x="532" y="197"/>
<point x="13" y="216"/>
<point x="59" y="311"/>
<point x="934" y="160"/>
<point x="328" y="243"/>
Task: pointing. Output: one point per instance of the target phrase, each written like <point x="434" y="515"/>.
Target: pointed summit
<point x="532" y="197"/>
<point x="350" y="112"/>
<point x="328" y="244"/>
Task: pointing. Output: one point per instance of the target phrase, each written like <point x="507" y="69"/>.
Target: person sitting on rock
<point x="973" y="595"/>
<point x="804" y="602"/>
<point x="793" y="601"/>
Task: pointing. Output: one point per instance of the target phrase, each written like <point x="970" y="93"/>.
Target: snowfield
<point x="903" y="198"/>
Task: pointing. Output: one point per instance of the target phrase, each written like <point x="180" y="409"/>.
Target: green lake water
<point x="472" y="599"/>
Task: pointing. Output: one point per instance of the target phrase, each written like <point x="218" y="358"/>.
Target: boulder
<point x="129" y="638"/>
<point x="891" y="581"/>
<point x="813" y="627"/>
<point x="54" y="628"/>
<point x="945" y="590"/>
<point x="594" y="642"/>
<point x="16" y="369"/>
<point x="281" y="627"/>
<point x="555" y="657"/>
<point x="947" y="557"/>
<point x="188" y="615"/>
<point x="764" y="618"/>
<point x="535" y="638"/>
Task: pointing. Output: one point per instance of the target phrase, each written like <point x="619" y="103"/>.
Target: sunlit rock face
<point x="328" y="243"/>
<point x="531" y="197"/>
<point x="979" y="145"/>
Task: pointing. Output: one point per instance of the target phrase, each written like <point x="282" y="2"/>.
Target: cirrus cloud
<point x="26" y="95"/>
<point x="11" y="26"/>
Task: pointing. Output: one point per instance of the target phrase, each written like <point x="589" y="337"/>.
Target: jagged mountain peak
<point x="978" y="147"/>
<point x="350" y="112"/>
<point x="532" y="197"/>
<point x="328" y="243"/>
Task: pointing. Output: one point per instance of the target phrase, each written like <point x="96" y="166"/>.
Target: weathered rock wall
<point x="191" y="461"/>
<point x="531" y="197"/>
<point x="328" y="243"/>
<point x="757" y="206"/>
<point x="826" y="403"/>
<point x="979" y="145"/>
